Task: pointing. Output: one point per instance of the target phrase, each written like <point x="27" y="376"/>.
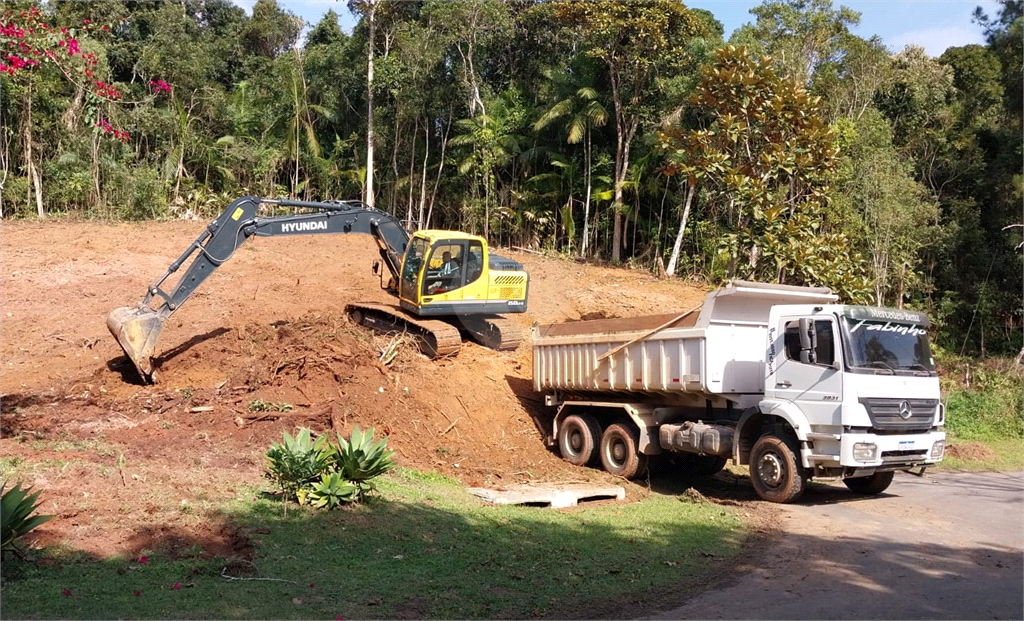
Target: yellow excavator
<point x="445" y="282"/>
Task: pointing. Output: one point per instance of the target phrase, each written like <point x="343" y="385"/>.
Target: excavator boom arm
<point x="137" y="328"/>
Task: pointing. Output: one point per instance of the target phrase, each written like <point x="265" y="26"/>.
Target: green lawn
<point x="422" y="548"/>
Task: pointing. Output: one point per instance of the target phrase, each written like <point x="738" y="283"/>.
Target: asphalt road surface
<point x="944" y="546"/>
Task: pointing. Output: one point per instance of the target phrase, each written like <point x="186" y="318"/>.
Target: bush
<point x="16" y="519"/>
<point x="297" y="462"/>
<point x="326" y="475"/>
<point x="360" y="459"/>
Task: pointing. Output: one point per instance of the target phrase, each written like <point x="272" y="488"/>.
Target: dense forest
<point x="630" y="132"/>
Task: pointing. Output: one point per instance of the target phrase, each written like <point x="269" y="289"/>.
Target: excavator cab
<point x="453" y="273"/>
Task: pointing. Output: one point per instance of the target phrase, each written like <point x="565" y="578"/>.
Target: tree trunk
<point x="412" y="171"/>
<point x="369" y="106"/>
<point x="95" y="169"/>
<point x="440" y="167"/>
<point x="30" y="164"/>
<point x="393" y="199"/>
<point x="423" y="180"/>
<point x="586" y="205"/>
<point x="691" y="189"/>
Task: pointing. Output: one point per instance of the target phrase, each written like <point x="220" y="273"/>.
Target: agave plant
<point x="331" y="491"/>
<point x="16" y="519"/>
<point x="297" y="462"/>
<point x="360" y="459"/>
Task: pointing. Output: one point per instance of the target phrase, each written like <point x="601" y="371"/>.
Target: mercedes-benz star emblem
<point x="905" y="411"/>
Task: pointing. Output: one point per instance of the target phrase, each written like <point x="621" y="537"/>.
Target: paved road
<point x="944" y="546"/>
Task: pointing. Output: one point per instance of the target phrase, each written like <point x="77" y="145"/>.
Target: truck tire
<point x="775" y="470"/>
<point x="619" y="451"/>
<point x="578" y="437"/>
<point x="870" y="485"/>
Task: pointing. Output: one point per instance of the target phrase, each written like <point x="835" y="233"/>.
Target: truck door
<point x="811" y="377"/>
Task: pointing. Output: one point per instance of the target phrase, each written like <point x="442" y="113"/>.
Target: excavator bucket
<point x="136" y="329"/>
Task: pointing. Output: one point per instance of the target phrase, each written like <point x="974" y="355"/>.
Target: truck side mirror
<point x="808" y="341"/>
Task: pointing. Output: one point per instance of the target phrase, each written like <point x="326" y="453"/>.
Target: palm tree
<point x="491" y="147"/>
<point x="582" y="112"/>
<point x="299" y="121"/>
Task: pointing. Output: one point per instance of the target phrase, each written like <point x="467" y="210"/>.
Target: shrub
<point x="16" y="519"/>
<point x="360" y="459"/>
<point x="297" y="462"/>
<point x="331" y="491"/>
<point x="326" y="475"/>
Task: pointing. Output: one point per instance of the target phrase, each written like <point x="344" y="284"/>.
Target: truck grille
<point x="904" y="415"/>
<point x="903" y="456"/>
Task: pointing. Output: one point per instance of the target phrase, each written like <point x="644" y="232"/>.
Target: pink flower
<point x="340" y="618"/>
<point x="67" y="593"/>
<point x="311" y="585"/>
<point x="137" y="592"/>
<point x="177" y="586"/>
<point x="143" y="559"/>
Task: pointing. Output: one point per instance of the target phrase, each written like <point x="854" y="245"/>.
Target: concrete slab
<point x="554" y="496"/>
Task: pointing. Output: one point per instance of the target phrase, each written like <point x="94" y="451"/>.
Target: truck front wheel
<point x="775" y="470"/>
<point x="578" y="437"/>
<point x="871" y="485"/>
<point x="619" y="451"/>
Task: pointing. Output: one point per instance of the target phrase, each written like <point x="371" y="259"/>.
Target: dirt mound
<point x="260" y="348"/>
<point x="969" y="451"/>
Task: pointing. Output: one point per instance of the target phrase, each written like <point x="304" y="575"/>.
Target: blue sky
<point x="931" y="24"/>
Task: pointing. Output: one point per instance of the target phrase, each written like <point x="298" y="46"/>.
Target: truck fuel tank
<point x="702" y="438"/>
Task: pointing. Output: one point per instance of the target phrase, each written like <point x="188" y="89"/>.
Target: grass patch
<point x="984" y="413"/>
<point x="984" y="399"/>
<point x="421" y="548"/>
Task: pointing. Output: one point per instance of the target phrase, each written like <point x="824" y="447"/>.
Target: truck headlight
<point x="865" y="451"/>
<point x="938" y="449"/>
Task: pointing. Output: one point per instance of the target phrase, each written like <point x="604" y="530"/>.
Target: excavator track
<point x="437" y="338"/>
<point x="494" y="332"/>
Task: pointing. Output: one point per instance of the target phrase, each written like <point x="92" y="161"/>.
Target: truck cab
<point x="858" y="385"/>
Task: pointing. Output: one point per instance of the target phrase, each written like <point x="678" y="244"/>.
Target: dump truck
<point x="780" y="378"/>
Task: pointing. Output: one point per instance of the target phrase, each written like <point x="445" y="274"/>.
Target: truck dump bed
<point x="721" y="350"/>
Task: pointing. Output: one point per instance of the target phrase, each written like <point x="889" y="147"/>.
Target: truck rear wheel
<point x="619" y="451"/>
<point x="578" y="437"/>
<point x="870" y="485"/>
<point x="775" y="470"/>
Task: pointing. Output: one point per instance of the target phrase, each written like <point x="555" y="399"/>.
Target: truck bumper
<point x="881" y="453"/>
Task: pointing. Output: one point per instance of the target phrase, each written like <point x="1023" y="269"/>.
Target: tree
<point x="768" y="158"/>
<point x="368" y="8"/>
<point x="637" y="41"/>
<point x="896" y="217"/>
<point x="800" y="34"/>
<point x="582" y="111"/>
<point x="32" y="46"/>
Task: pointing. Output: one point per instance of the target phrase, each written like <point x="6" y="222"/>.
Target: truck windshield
<point x="887" y="347"/>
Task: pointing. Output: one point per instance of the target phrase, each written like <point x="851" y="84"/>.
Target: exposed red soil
<point x="267" y="327"/>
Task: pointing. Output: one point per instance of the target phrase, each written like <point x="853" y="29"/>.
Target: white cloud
<point x="936" y="40"/>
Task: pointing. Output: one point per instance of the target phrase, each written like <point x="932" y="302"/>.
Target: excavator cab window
<point x="474" y="261"/>
<point x="446" y="269"/>
<point x="411" y="267"/>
